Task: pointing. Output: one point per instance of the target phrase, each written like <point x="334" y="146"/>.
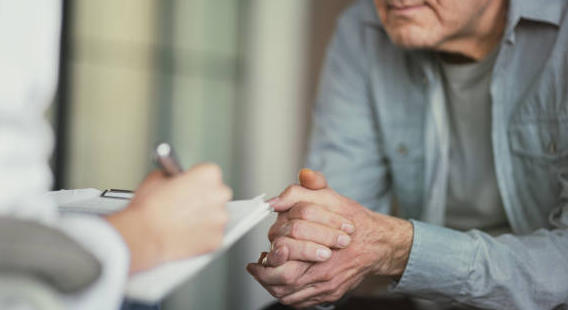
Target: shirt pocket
<point x="544" y="142"/>
<point x="540" y="156"/>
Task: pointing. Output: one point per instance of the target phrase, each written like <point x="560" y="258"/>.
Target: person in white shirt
<point x="159" y="225"/>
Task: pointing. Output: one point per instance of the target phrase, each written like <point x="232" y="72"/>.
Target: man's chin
<point x="412" y="38"/>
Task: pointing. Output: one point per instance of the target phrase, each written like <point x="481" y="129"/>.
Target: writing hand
<point x="172" y="218"/>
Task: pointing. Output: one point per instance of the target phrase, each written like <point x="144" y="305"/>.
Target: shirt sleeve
<point x="506" y="272"/>
<point x="102" y="240"/>
<point x="29" y="36"/>
<point x="345" y="141"/>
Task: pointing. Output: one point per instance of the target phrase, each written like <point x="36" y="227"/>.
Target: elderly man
<point x="455" y="111"/>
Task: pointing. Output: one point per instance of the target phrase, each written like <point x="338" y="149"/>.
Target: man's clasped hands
<point x="324" y="244"/>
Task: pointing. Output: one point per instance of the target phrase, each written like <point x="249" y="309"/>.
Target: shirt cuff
<point x="101" y="239"/>
<point x="439" y="263"/>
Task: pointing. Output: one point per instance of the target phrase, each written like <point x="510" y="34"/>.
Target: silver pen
<point x="165" y="158"/>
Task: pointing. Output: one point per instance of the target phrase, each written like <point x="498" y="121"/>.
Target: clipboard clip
<point x="117" y="194"/>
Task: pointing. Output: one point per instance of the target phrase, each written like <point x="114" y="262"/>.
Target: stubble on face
<point x="429" y="24"/>
<point x="409" y="24"/>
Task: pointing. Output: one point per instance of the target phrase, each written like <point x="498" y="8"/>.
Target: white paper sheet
<point x="151" y="286"/>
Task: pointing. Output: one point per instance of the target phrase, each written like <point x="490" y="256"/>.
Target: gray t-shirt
<point x="473" y="196"/>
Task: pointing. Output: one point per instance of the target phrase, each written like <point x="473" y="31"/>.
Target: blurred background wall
<point x="228" y="81"/>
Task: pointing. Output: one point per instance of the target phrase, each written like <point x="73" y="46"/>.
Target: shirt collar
<point x="370" y="15"/>
<point x="549" y="11"/>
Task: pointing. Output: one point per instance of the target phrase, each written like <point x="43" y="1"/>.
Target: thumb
<point x="311" y="179"/>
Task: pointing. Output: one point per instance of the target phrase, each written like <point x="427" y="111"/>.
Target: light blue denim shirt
<point x="379" y="136"/>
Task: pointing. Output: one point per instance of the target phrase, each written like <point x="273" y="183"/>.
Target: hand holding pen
<point x="174" y="218"/>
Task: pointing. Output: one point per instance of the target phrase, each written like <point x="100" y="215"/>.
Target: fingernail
<point x="305" y="170"/>
<point x="273" y="203"/>
<point x="264" y="260"/>
<point x="348" y="228"/>
<point x="323" y="254"/>
<point x="285" y="229"/>
<point x="343" y="241"/>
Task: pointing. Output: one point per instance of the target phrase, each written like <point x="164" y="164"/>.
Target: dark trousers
<point x="363" y="303"/>
<point x="372" y="303"/>
<point x="131" y="305"/>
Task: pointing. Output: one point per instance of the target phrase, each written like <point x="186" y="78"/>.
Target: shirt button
<point x="402" y="149"/>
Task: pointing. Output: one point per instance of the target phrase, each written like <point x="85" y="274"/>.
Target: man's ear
<point x="313" y="180"/>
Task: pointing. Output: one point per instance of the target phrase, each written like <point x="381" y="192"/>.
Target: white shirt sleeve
<point x="97" y="235"/>
<point x="29" y="49"/>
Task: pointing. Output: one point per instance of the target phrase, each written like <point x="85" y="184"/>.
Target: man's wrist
<point x="401" y="247"/>
<point x="392" y="257"/>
